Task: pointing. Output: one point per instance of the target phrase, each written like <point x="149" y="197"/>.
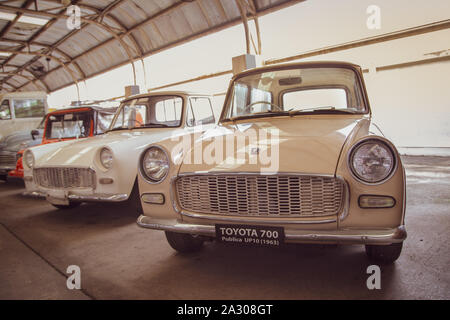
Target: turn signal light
<point x="106" y="180"/>
<point x="153" y="198"/>
<point x="368" y="201"/>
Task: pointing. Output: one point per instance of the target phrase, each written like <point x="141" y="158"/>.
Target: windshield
<point x="68" y="125"/>
<point x="295" y="90"/>
<point x="149" y="112"/>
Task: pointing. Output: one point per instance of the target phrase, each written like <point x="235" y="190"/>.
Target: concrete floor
<point x="119" y="260"/>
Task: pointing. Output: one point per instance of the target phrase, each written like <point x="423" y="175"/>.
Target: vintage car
<point x="68" y="124"/>
<point x="11" y="144"/>
<point x="295" y="158"/>
<point x="104" y="168"/>
<point x="21" y="111"/>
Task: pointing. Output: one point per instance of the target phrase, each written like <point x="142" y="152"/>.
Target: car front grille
<point x="261" y="195"/>
<point x="64" y="177"/>
<point x="8" y="160"/>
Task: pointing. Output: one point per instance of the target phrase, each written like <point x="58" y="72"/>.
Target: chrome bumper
<point x="382" y="236"/>
<point x="98" y="197"/>
<point x="87" y="198"/>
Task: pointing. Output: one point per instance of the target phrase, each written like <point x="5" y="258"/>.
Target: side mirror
<point x="34" y="133"/>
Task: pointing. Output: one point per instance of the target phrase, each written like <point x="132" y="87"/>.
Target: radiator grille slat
<point x="8" y="160"/>
<point x="64" y="177"/>
<point x="260" y="195"/>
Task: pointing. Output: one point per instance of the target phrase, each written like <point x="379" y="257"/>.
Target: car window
<point x="103" y="121"/>
<point x="257" y="97"/>
<point x="199" y="112"/>
<point x="5" y="111"/>
<point x="155" y="111"/>
<point x="29" y="108"/>
<point x="68" y="125"/>
<point x="168" y="110"/>
<point x="315" y="98"/>
<point x="295" y="88"/>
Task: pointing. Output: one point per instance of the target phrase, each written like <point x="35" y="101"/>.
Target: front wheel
<point x="384" y="254"/>
<point x="183" y="242"/>
<point x="71" y="205"/>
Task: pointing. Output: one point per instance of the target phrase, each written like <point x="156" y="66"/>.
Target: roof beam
<point x="33" y="37"/>
<point x="105" y="27"/>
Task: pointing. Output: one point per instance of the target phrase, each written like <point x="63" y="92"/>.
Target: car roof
<point x="92" y="107"/>
<point x="308" y="64"/>
<point x="164" y="93"/>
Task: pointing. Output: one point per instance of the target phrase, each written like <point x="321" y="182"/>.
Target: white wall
<point x="412" y="105"/>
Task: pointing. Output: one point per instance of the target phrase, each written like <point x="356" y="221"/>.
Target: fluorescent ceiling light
<point x="23" y="19"/>
<point x="5" y="54"/>
<point x="33" y="20"/>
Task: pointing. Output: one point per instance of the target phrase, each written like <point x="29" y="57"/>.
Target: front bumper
<point x="381" y="236"/>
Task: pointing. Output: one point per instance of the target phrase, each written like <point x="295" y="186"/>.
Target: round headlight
<point x="155" y="164"/>
<point x="372" y="161"/>
<point x="106" y="158"/>
<point x="28" y="158"/>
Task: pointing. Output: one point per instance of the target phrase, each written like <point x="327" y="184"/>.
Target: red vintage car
<point x="71" y="123"/>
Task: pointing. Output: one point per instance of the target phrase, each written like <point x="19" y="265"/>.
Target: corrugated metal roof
<point x="49" y="56"/>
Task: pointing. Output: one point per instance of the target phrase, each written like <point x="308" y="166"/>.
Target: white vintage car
<point x="294" y="158"/>
<point x="104" y="168"/>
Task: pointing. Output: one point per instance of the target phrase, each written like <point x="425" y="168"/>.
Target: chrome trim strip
<point x="33" y="194"/>
<point x="385" y="236"/>
<point x="87" y="198"/>
<point x="256" y="220"/>
<point x="344" y="207"/>
<point x="99" y="197"/>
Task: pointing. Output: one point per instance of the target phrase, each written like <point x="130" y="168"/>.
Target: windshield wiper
<point x="117" y="129"/>
<point x="268" y="113"/>
<point x="153" y="125"/>
<point x="322" y="110"/>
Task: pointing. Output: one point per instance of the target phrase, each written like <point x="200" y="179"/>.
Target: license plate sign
<point x="263" y="236"/>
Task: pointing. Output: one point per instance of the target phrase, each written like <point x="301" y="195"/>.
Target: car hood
<point x="19" y="140"/>
<point x="82" y="152"/>
<point x="306" y="144"/>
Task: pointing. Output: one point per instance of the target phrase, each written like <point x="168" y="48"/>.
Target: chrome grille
<point x="8" y="160"/>
<point x="260" y="195"/>
<point x="64" y="177"/>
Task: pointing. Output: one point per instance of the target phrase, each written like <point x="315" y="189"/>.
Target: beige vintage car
<point x="295" y="158"/>
<point x="103" y="168"/>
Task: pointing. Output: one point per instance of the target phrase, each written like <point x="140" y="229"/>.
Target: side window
<point x="202" y="112"/>
<point x="29" y="108"/>
<point x="169" y="111"/>
<point x="5" y="111"/>
<point x="103" y="121"/>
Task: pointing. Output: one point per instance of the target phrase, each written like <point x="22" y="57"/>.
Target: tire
<point x="183" y="242"/>
<point x="3" y="177"/>
<point x="385" y="254"/>
<point x="134" y="200"/>
<point x="71" y="205"/>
